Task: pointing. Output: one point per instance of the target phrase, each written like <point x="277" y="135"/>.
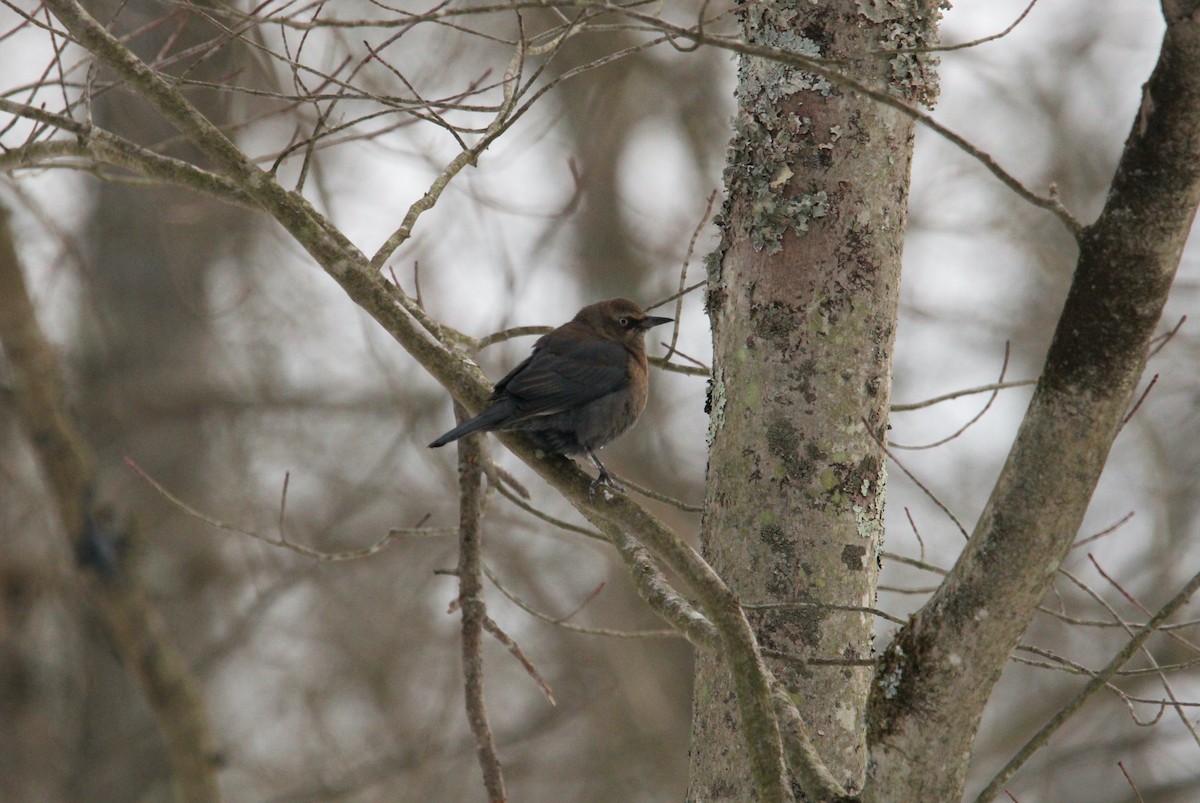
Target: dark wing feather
<point x="565" y="372"/>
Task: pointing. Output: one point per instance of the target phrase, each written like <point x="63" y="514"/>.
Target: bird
<point x="585" y="383"/>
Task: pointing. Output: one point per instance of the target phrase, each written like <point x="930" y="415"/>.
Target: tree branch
<point x="107" y="148"/>
<point x="452" y="368"/>
<point x="802" y="757"/>
<point x="470" y="601"/>
<point x="941" y="669"/>
<point x="135" y="628"/>
<point x="1097" y="682"/>
<point x="830" y="71"/>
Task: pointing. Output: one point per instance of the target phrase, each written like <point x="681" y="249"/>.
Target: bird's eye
<point x="624" y="322"/>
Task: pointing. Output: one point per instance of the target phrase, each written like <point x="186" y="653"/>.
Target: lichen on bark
<point x="803" y="296"/>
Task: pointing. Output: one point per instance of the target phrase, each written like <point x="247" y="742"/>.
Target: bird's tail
<point x="486" y="421"/>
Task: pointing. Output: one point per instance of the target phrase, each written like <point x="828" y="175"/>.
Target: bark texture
<point x="941" y="669"/>
<point x="803" y="299"/>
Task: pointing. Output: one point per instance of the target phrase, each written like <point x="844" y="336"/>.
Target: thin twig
<point x="692" y="360"/>
<point x="515" y="650"/>
<point x="1166" y="684"/>
<point x="1091" y="687"/>
<point x="1074" y="620"/>
<point x="771" y="606"/>
<point x="546" y="517"/>
<point x="434" y="115"/>
<point x="913" y="591"/>
<point x="932" y="496"/>
<point x="282" y="540"/>
<point x="499" y="475"/>
<point x="987" y="406"/>
<point x="919" y="564"/>
<point x="660" y="497"/>
<point x="904" y="408"/>
<point x="1106" y="531"/>
<point x="1137" y="604"/>
<point x="961" y="45"/>
<point x="1078" y="669"/>
<point x="467" y="157"/>
<point x="1157" y="344"/>
<point x="1132" y="785"/>
<point x="595" y="592"/>
<point x="561" y="622"/>
<point x="1137" y="405"/>
<point x="471" y="605"/>
<point x="679" y="294"/>
<point x="509" y="334"/>
<point x="916" y="531"/>
<point x="687" y="260"/>
<point x="676" y="368"/>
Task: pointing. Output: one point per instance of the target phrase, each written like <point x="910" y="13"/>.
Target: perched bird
<point x="584" y="384"/>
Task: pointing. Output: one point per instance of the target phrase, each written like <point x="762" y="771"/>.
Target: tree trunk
<point x="803" y="300"/>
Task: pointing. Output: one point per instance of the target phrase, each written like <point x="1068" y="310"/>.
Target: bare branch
<point x="1127" y="262"/>
<point x="1138" y="404"/>
<point x="107" y="148"/>
<point x="768" y="606"/>
<point x="676" y="368"/>
<point x="546" y="517"/>
<point x="1158" y="343"/>
<point x="964" y="45"/>
<point x="924" y="489"/>
<point x="470" y="602"/>
<point x="679" y="294"/>
<point x="1020" y="383"/>
<point x="515" y="599"/>
<point x="687" y="259"/>
<point x="282" y="540"/>
<point x="1187" y="723"/>
<point x="653" y="587"/>
<point x="1106" y="531"/>
<point x="987" y="406"/>
<point x="918" y="564"/>
<point x="825" y="68"/>
<point x="1095" y="684"/>
<point x="466" y="157"/>
<point x="135" y="629"/>
<point x="1136" y="792"/>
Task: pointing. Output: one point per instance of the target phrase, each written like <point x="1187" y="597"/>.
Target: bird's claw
<point x="604" y="478"/>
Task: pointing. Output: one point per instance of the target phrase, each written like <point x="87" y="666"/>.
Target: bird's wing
<point x="564" y="373"/>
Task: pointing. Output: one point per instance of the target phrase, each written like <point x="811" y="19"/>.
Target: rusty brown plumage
<point x="584" y="384"/>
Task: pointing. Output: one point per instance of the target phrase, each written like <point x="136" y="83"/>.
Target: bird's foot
<point x="604" y="479"/>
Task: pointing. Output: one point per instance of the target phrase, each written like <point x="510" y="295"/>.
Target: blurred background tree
<point x="197" y="340"/>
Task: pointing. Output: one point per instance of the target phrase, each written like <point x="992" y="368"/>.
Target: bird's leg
<point x="604" y="478"/>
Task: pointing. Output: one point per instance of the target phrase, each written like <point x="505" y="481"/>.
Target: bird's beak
<point x="650" y="321"/>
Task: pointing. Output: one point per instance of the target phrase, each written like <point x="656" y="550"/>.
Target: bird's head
<point x="619" y="319"/>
